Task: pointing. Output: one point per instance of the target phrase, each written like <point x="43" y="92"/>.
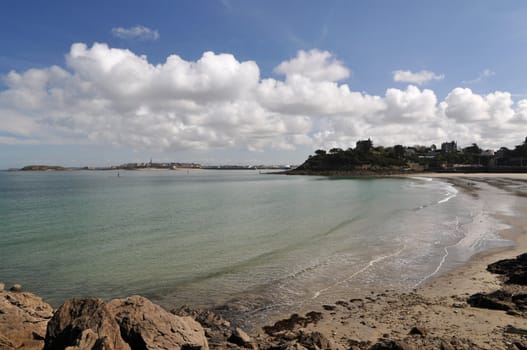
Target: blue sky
<point x="474" y="53"/>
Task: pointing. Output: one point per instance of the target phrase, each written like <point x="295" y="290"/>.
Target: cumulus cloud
<point x="114" y="96"/>
<point x="315" y="65"/>
<point x="135" y="33"/>
<point x="419" y="78"/>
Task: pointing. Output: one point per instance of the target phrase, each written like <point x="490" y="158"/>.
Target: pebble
<point x="16" y="288"/>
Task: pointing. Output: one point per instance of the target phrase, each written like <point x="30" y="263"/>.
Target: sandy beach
<point x="436" y="315"/>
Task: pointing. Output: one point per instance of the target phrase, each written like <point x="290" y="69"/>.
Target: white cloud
<point x="315" y="65"/>
<point x="136" y="33"/>
<point x="419" y="78"/>
<point x="485" y="74"/>
<point x="113" y="96"/>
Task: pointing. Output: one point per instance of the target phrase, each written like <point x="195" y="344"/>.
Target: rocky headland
<point x="493" y="318"/>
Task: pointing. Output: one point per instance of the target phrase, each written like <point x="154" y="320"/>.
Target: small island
<point x="43" y="168"/>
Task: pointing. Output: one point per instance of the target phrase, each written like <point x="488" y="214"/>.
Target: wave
<point x="353" y="275"/>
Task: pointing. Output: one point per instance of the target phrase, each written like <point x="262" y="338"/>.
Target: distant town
<point x="364" y="157"/>
<point x="368" y="159"/>
<point x="155" y="166"/>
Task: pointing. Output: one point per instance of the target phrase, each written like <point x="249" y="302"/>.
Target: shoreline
<point x="435" y="315"/>
<point x="439" y="306"/>
<point x="515" y="232"/>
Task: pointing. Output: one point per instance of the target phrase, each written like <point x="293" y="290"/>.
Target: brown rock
<point x="498" y="300"/>
<point x="84" y="324"/>
<point x="239" y="337"/>
<point x="329" y="307"/>
<point x="217" y="329"/>
<point x="2" y="286"/>
<point x="23" y="318"/>
<point x="145" y="325"/>
<point x="388" y="344"/>
<point x="315" y="341"/>
<point x="16" y="288"/>
<point x="294" y="321"/>
<point x="417" y="331"/>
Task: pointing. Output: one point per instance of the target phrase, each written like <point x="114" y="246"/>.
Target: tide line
<point x="437" y="268"/>
<point x="370" y="264"/>
<point x="443" y="259"/>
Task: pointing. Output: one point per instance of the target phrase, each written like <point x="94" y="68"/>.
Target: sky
<point x="255" y="82"/>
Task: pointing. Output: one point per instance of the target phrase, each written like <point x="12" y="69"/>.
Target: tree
<point x="335" y="150"/>
<point x="320" y="152"/>
<point x="398" y="151"/>
<point x="473" y="150"/>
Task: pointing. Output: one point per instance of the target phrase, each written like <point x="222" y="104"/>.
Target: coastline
<point x="435" y="315"/>
<point x="438" y="308"/>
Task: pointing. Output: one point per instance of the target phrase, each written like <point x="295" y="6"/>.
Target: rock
<point x="239" y="337"/>
<point x="445" y="346"/>
<point x="315" y="341"/>
<point x="417" y="331"/>
<point x="206" y="318"/>
<point x="16" y="288"/>
<point x="328" y="307"/>
<point x="388" y="344"/>
<point x="494" y="301"/>
<point x="23" y="319"/>
<point x="520" y="301"/>
<point x="84" y="323"/>
<point x="519" y="346"/>
<point x="515" y="330"/>
<point x="514" y="269"/>
<point x="292" y="322"/>
<point x="145" y="325"/>
<point x="2" y="286"/>
<point x="217" y="329"/>
<point x="342" y="303"/>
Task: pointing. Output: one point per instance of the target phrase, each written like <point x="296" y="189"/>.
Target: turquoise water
<point x="206" y="238"/>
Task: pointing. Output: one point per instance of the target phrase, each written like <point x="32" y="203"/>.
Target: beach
<point x="434" y="315"/>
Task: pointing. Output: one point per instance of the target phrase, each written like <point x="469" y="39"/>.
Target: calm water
<point x="257" y="242"/>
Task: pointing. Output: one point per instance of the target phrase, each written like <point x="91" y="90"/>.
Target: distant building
<point x="487" y="153"/>
<point x="449" y="147"/>
<point x="364" y="145"/>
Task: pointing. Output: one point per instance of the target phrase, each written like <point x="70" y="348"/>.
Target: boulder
<point x="84" y="324"/>
<point x="240" y="338"/>
<point x="145" y="325"/>
<point x="23" y="319"/>
<point x="515" y="269"/>
<point x="217" y="329"/>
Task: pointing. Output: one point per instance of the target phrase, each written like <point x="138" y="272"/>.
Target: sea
<point x="249" y="244"/>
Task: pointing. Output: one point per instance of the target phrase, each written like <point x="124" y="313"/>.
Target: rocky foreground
<point x="387" y="320"/>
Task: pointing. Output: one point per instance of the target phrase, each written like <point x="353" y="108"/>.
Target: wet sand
<point x="437" y="312"/>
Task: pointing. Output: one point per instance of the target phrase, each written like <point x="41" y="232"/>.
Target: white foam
<point x="370" y="264"/>
<point x="451" y="192"/>
<point x="421" y="178"/>
<point x="439" y="266"/>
